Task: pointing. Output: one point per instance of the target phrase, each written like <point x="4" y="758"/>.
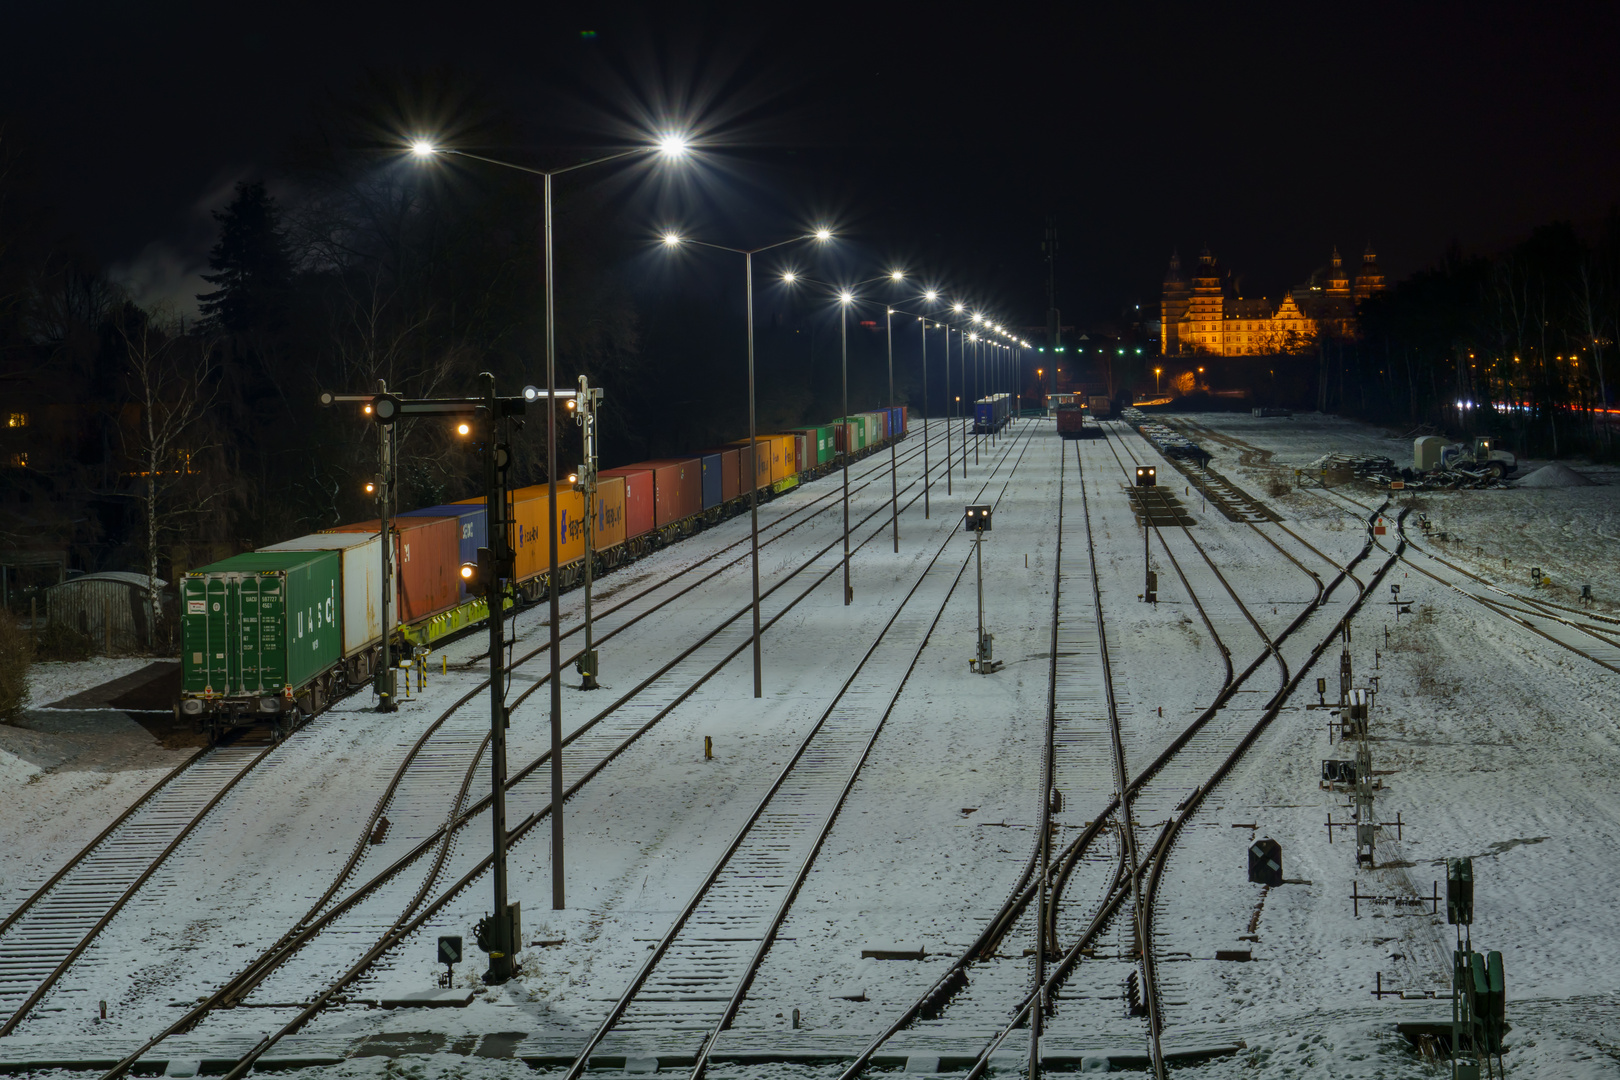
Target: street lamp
<point x="671" y="145"/>
<point x="671" y="240"/>
<point x="1156" y="373"/>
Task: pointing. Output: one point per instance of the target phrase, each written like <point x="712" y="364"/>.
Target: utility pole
<point x="1054" y="319"/>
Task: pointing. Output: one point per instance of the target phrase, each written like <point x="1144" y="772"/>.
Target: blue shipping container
<point x="474" y="531"/>
<point x="713" y="490"/>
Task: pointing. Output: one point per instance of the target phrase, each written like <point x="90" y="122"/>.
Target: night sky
<point x="940" y="136"/>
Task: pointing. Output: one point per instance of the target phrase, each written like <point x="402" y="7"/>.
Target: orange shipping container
<point x="782" y="465"/>
<point x="531" y="512"/>
<point x="608" y="529"/>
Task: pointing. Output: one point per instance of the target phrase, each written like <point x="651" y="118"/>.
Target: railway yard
<point x="892" y="862"/>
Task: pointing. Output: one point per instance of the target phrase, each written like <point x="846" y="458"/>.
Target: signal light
<point x="480" y="577"/>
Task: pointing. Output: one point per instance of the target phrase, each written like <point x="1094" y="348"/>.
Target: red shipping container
<point x="762" y="461"/>
<point x="427" y="558"/>
<point x="801" y="463"/>
<point x="677" y="489"/>
<point x="638" y="498"/>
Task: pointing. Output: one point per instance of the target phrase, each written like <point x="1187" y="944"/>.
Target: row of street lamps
<point x="995" y="350"/>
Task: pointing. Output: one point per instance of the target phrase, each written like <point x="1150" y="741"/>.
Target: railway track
<point x="374" y="912"/>
<point x="1122" y="884"/>
<point x="690" y="988"/>
<point x="42" y="938"/>
<point x="52" y="928"/>
<point x="1588" y="634"/>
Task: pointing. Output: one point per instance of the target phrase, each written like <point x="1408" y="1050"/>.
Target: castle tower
<point x="1337" y="283"/>
<point x="1370" y="279"/>
<point x="1205" y="330"/>
<point x="1173" y="307"/>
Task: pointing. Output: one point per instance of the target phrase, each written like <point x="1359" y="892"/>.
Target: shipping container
<point x="638" y="498"/>
<point x="713" y="485"/>
<point x="609" y="528"/>
<point x="762" y="461"/>
<point x="472" y="530"/>
<point x="531" y="517"/>
<point x="819" y="443"/>
<point x="804" y="458"/>
<point x="427" y="556"/>
<point x="677" y="489"/>
<point x="782" y="467"/>
<point x="731" y="457"/>
<point x="360" y="560"/>
<point x="905" y="419"/>
<point x="260" y="623"/>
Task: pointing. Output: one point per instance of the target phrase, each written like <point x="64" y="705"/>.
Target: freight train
<point x="277" y="634"/>
<point x="991" y="413"/>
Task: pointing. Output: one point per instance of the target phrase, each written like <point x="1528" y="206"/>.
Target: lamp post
<point x="670" y="146"/>
<point x="1156" y="373"/>
<point x="845" y="298"/>
<point x="671" y="240"/>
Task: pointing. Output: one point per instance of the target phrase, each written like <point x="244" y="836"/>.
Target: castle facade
<point x="1207" y="315"/>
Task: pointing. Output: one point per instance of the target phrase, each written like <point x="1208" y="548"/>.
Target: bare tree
<point x="170" y="392"/>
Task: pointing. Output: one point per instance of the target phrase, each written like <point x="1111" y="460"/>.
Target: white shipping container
<point x="362" y="583"/>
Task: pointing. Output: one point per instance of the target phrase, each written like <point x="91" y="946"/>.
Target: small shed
<point x="112" y="608"/>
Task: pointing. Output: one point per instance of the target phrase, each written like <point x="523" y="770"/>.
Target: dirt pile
<point x="1555" y="475"/>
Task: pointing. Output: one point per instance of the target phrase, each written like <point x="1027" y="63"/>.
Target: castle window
<point x="16" y="420"/>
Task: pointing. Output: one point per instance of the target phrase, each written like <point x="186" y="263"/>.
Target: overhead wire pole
<point x="949" y="464"/>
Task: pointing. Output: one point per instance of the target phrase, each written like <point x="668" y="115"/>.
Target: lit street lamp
<point x="669" y="146"/>
<point x="671" y="240"/>
<point x="1156" y="372"/>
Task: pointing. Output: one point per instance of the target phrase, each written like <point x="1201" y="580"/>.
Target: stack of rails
<point x="281" y="632"/>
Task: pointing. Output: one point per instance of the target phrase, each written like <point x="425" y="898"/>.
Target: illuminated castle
<point x="1208" y="316"/>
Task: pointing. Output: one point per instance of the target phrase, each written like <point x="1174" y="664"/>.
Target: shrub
<point x="59" y="641"/>
<point x="16" y="654"/>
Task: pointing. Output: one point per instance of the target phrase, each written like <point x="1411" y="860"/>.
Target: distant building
<point x="1208" y="315"/>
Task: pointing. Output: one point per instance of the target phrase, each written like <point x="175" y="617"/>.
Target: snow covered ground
<point x="1490" y="742"/>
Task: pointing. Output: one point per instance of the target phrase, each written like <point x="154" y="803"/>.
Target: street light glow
<point x="671" y="239"/>
<point x="957" y="308"/>
<point x="896" y="275"/>
<point x="823" y="234"/>
<point x="790" y="277"/>
<point x="423" y="148"/>
<point x="930" y="295"/>
<point x="463" y="428"/>
<point x="673" y="145"/>
<point x="846" y="297"/>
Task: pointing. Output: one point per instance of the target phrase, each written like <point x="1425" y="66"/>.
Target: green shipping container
<point x="260" y="623"/>
<point x="822" y="439"/>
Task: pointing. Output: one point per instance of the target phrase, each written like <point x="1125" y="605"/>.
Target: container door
<point x="252" y="634"/>
<point x="273" y="633"/>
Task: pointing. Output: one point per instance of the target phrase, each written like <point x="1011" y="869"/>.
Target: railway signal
<point x="382" y="487"/>
<point x="584" y="405"/>
<point x="494" y="566"/>
<point x="977" y="521"/>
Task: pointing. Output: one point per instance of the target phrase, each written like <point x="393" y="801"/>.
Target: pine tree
<point x="252" y="268"/>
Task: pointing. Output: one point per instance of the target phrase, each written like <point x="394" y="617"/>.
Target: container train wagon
<point x="1072" y="423"/>
<point x="279" y="633"/>
<point x="991" y="413"/>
